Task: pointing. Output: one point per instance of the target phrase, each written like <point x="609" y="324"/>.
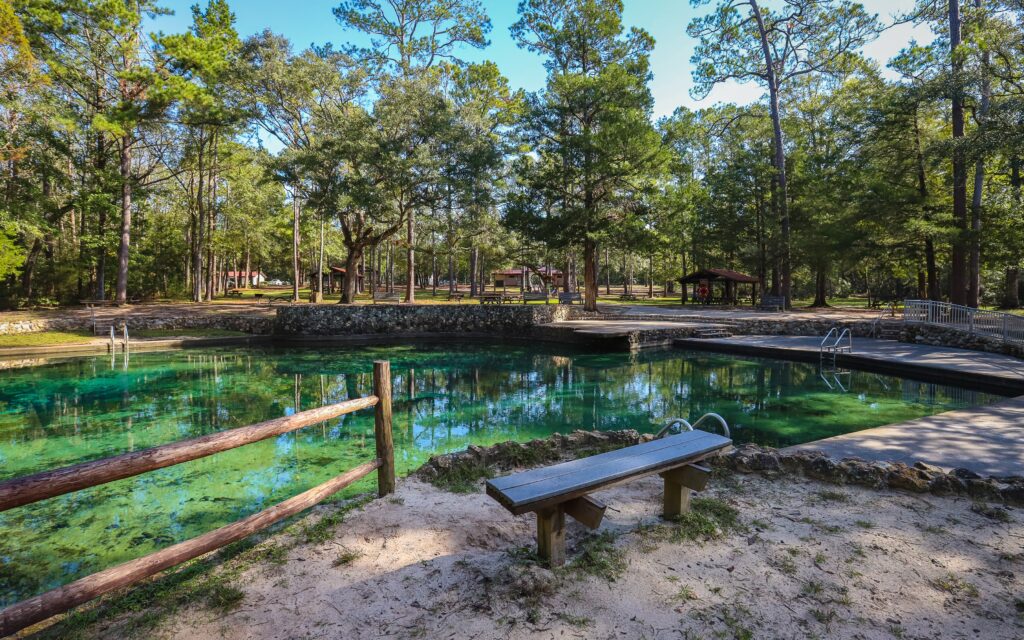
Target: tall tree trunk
<point x="650" y="276"/>
<point x="931" y="271"/>
<point x="121" y="295"/>
<point x="1011" y="288"/>
<point x="607" y="271"/>
<point x="29" y="270"/>
<point x="820" y="288"/>
<point x="779" y="160"/>
<point x="348" y="290"/>
<point x="197" y="257"/>
<point x="451" y="270"/>
<point x="248" y="268"/>
<point x="211" y="217"/>
<point x="474" y="259"/>
<point x="958" y="266"/>
<point x="296" y="212"/>
<point x="589" y="275"/>
<point x="974" y="271"/>
<point x="410" y="237"/>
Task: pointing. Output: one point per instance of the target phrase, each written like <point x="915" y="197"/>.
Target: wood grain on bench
<point x="539" y="488"/>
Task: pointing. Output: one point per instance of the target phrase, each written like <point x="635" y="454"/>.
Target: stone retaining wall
<point x="250" y="324"/>
<point x="339" y="320"/>
<point x="947" y="337"/>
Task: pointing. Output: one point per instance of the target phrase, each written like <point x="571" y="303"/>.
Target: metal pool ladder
<point x="836" y="342"/>
<point x="124" y="338"/>
<point x="684" y="425"/>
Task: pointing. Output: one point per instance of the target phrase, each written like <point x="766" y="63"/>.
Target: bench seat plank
<point x="543" y="487"/>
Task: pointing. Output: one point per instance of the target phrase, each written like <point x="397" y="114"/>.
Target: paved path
<point x="616" y="328"/>
<point x="946" y="359"/>
<point x="988" y="440"/>
<point x="704" y="314"/>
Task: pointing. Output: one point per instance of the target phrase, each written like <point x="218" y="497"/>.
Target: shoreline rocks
<point x="747" y="458"/>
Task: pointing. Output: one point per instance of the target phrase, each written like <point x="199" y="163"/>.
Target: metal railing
<point x="993" y="324"/>
<point x="888" y="311"/>
<point x="836" y="345"/>
<point x="684" y="424"/>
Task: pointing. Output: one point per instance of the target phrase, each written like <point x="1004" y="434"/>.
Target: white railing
<point x="1005" y="326"/>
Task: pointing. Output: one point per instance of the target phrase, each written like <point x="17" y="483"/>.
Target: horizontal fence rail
<point x="29" y="489"/>
<point x="41" y="607"/>
<point x="993" y="324"/>
<point x="48" y="484"/>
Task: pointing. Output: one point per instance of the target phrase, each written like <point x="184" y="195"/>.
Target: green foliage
<point x="599" y="556"/>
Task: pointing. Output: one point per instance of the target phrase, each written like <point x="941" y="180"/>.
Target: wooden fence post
<point x="382" y="427"/>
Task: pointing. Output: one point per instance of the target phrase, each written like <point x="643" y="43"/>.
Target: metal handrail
<point x="831" y="332"/>
<point x="836" y="345"/>
<point x="889" y="310"/>
<point x="672" y="422"/>
<point x="849" y="340"/>
<point x="1005" y="326"/>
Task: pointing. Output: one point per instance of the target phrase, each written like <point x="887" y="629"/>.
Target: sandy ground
<point x="813" y="561"/>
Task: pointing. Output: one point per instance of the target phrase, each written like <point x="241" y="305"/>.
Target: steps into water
<point x="889" y="330"/>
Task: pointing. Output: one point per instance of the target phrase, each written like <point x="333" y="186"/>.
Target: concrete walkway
<point x="699" y="313"/>
<point x="946" y="364"/>
<point x="987" y="440"/>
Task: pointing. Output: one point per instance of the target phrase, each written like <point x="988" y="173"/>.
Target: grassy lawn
<point x="44" y="338"/>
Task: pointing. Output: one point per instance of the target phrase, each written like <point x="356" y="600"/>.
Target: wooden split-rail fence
<point x="48" y="484"/>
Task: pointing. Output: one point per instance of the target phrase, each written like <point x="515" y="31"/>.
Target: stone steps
<point x="715" y="332"/>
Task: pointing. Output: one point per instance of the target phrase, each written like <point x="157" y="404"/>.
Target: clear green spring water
<point x="88" y="408"/>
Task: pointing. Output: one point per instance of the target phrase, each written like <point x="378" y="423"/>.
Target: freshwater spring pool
<point x="445" y="398"/>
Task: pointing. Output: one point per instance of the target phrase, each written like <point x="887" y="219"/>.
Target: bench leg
<point x="551" y="535"/>
<point x="679" y="483"/>
<point x="677" y="499"/>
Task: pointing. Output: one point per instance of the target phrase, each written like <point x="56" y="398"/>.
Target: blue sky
<point x="311" y="21"/>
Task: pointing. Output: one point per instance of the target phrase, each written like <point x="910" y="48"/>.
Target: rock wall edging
<point x="339" y="320"/>
<point x="747" y="458"/>
<point x="249" y="324"/>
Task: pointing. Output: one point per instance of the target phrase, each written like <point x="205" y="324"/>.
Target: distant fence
<point x="993" y="324"/>
<point x="28" y="489"/>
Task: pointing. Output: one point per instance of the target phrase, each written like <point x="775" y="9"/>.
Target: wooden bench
<point x="570" y="298"/>
<point x="456" y="295"/>
<point x="772" y="303"/>
<point x="233" y="293"/>
<point x="535" y="296"/>
<point x="491" y="298"/>
<point x="551" y="492"/>
<point x="390" y="298"/>
<point x="628" y="296"/>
